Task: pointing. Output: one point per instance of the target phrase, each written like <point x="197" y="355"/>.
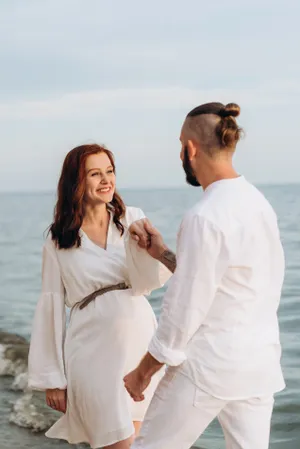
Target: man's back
<point x="236" y="350"/>
<point x="218" y="328"/>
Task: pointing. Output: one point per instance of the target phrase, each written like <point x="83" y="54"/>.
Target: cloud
<point x="99" y="102"/>
<point x="50" y="48"/>
<point x="128" y="72"/>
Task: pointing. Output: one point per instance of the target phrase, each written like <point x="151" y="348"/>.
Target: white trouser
<point x="180" y="412"/>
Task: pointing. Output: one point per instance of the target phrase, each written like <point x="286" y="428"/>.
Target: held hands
<point x="57" y="399"/>
<point x="148" y="237"/>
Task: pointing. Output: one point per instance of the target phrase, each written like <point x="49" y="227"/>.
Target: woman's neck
<point x="95" y="215"/>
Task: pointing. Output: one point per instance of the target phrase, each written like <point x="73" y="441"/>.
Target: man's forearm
<point x="168" y="258"/>
<point x="149" y="366"/>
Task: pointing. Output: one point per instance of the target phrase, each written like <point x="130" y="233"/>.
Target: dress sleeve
<point x="46" y="359"/>
<point x="145" y="273"/>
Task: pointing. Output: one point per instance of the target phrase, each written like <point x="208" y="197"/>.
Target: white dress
<point x="103" y="341"/>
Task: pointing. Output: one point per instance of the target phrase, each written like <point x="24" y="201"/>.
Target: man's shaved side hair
<point x="214" y="127"/>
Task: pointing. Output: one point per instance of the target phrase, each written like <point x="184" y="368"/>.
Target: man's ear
<point x="191" y="149"/>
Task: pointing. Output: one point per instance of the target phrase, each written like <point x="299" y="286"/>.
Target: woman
<point x="90" y="266"/>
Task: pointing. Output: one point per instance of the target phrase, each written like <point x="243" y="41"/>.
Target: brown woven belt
<point x="85" y="302"/>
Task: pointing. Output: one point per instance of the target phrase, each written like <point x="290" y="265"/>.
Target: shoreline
<point x="15" y="437"/>
<point x="25" y="416"/>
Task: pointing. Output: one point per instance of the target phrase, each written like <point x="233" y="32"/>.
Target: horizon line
<point x="155" y="188"/>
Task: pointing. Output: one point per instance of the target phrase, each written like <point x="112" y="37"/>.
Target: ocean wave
<point x="13" y="357"/>
<point x="30" y="409"/>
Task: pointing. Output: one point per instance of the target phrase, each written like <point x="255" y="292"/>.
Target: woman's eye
<point x="110" y="171"/>
<point x="95" y="174"/>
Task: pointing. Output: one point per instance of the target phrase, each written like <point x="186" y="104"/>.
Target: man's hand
<point x="136" y="384"/>
<point x="148" y="237"/>
<point x="138" y="380"/>
<point x="57" y="399"/>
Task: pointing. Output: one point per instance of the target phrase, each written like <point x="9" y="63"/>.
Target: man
<point x="218" y="331"/>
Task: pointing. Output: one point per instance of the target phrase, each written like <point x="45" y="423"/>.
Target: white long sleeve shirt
<point x="219" y="323"/>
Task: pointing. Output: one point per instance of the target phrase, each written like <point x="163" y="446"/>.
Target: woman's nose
<point x="104" y="179"/>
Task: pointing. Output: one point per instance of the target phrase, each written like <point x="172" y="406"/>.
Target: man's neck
<point x="214" y="174"/>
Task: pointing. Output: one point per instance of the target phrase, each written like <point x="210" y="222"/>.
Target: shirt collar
<point x="226" y="181"/>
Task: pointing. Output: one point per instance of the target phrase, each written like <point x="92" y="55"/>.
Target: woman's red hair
<point x="69" y="210"/>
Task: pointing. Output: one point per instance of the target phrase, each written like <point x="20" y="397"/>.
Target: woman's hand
<point x="57" y="399"/>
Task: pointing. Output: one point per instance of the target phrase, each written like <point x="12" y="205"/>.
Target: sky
<point x="126" y="73"/>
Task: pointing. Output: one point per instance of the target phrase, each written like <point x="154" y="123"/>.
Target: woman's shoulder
<point x="49" y="244"/>
<point x="133" y="214"/>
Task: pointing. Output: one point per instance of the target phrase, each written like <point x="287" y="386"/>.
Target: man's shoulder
<point x="200" y="216"/>
<point x="204" y="210"/>
<point x="229" y="209"/>
<point x="216" y="211"/>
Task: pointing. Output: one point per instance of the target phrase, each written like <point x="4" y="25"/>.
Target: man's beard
<point x="189" y="172"/>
